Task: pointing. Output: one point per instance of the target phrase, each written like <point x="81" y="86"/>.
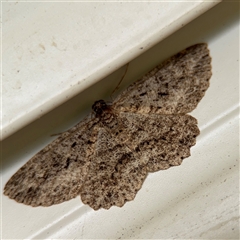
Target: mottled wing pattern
<point x="57" y="172"/>
<point x="175" y="86"/>
<point x="127" y="150"/>
<point x="115" y="175"/>
<point x="162" y="140"/>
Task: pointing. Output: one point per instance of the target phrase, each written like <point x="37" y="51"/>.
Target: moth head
<point x="99" y="107"/>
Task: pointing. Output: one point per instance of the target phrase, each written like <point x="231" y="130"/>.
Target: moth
<point x="105" y="158"/>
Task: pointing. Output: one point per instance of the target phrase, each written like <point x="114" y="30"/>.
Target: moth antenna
<point x="119" y="83"/>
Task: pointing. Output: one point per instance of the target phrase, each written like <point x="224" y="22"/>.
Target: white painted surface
<point x="51" y="51"/>
<point x="197" y="200"/>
